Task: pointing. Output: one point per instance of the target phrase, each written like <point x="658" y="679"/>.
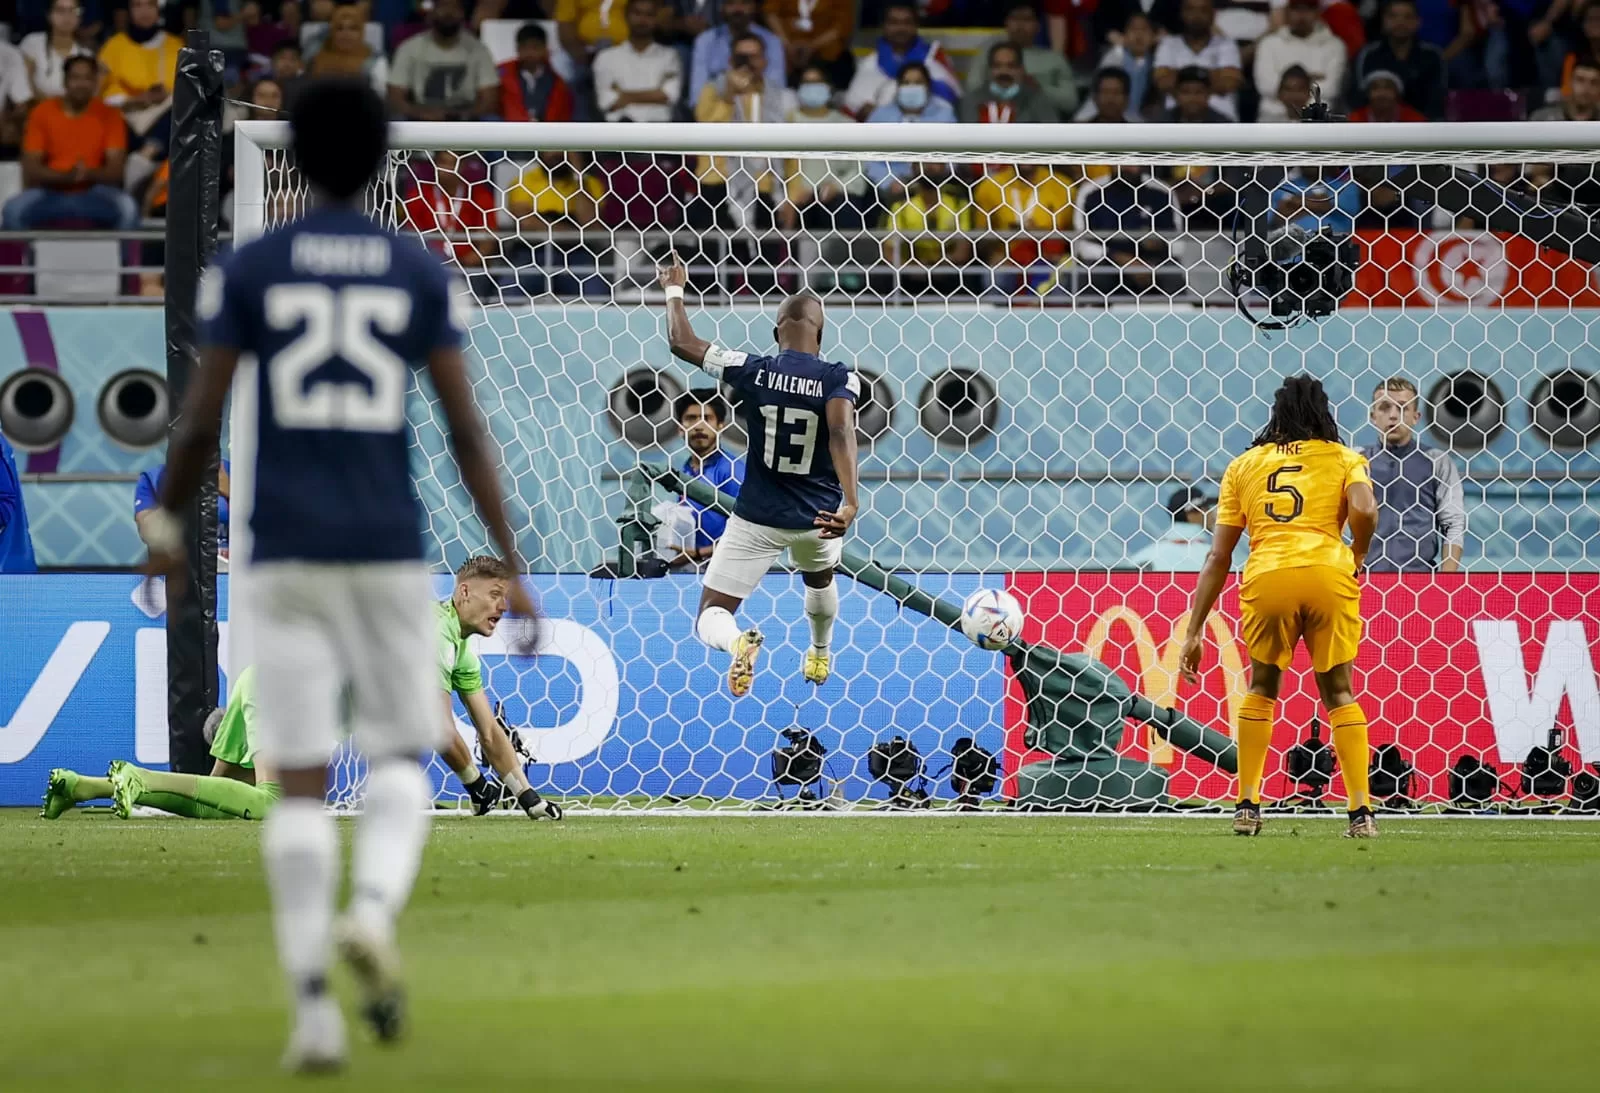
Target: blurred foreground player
<point x="336" y="311"/>
<point x="799" y="491"/>
<point x="1294" y="491"/>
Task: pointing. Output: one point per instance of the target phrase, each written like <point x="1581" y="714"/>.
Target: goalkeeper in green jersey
<point x="236" y="788"/>
<point x="474" y="607"/>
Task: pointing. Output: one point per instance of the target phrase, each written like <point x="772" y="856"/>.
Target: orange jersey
<point x="1290" y="500"/>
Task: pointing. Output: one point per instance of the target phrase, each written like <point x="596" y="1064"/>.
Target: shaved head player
<point x="799" y="491"/>
<point x="337" y="312"/>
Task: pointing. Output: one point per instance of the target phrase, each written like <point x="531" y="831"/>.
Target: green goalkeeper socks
<point x="202" y="797"/>
<point x="90" y="789"/>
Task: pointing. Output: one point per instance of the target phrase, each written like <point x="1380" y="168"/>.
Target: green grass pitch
<point x="836" y="954"/>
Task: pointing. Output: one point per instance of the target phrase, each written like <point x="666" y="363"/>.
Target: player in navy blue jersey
<point x="799" y="491"/>
<point x="337" y="313"/>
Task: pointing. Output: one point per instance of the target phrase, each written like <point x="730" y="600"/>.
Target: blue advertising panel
<point x="622" y="700"/>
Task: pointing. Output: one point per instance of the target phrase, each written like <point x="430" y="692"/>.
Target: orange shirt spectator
<point x="67" y="140"/>
<point x="448" y="204"/>
<point x="73" y="153"/>
<point x="815" y="32"/>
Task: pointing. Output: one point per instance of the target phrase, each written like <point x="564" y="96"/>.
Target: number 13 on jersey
<point x="799" y="428"/>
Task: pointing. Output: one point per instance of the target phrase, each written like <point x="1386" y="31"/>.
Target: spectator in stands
<point x="46" y="51"/>
<point x="585" y="27"/>
<point x="288" y="70"/>
<point x="262" y="35"/>
<point x="913" y="101"/>
<point x="1006" y="97"/>
<point x="1582" y="99"/>
<point x="1183" y="546"/>
<point x="1135" y="56"/>
<point x="877" y="79"/>
<point x="445" y="75"/>
<point x="147" y="498"/>
<point x="930" y="224"/>
<point x="16" y="544"/>
<point x="16" y="93"/>
<point x="449" y="205"/>
<point x="72" y="159"/>
<point x="1317" y="197"/>
<point x="1200" y="45"/>
<point x="1030" y="205"/>
<point x="1587" y="47"/>
<point x="1420" y="66"/>
<point x="1110" y="97"/>
<point x="1342" y="18"/>
<point x="1193" y="98"/>
<point x="816" y="32"/>
<point x="555" y="193"/>
<point x="822" y="194"/>
<point x="1460" y="30"/>
<point x="689" y="530"/>
<point x="140" y="64"/>
<point x="733" y="189"/>
<point x="1294" y="94"/>
<point x="1422" y="512"/>
<point x="1385" y="94"/>
<point x="713" y="49"/>
<point x="345" y="51"/>
<point x="1304" y="42"/>
<point x="1127" y="214"/>
<point x="641" y="79"/>
<point x="1110" y="18"/>
<point x="1045" y="71"/>
<point x="530" y="90"/>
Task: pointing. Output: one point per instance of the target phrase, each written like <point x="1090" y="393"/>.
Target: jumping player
<point x="799" y="491"/>
<point x="1293" y="492"/>
<point x="337" y="312"/>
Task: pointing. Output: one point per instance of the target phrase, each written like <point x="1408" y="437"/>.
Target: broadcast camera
<point x="1303" y="274"/>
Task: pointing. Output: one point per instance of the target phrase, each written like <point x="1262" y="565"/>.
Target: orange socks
<point x="1349" y="726"/>
<point x="1255" y="738"/>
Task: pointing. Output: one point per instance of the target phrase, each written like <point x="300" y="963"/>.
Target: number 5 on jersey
<point x="338" y="323"/>
<point x="1285" y="490"/>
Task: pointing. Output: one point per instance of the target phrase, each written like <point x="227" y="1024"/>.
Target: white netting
<point x="1051" y="347"/>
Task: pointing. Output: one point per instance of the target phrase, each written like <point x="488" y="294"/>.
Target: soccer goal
<point x="1062" y="334"/>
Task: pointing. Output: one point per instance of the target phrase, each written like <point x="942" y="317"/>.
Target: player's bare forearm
<point x="1452" y="559"/>
<point x="471" y="447"/>
<point x="1362" y="518"/>
<point x="496" y="744"/>
<point x="841" y="415"/>
<point x="199" y="425"/>
<point x="686" y="345"/>
<point x="1213" y="574"/>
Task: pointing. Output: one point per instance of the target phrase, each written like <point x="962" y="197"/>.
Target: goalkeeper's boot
<point x="742" y="672"/>
<point x="537" y="807"/>
<point x="485" y="794"/>
<point x="372" y="959"/>
<point x="816" y="666"/>
<point x="1362" y="825"/>
<point x="1247" y="818"/>
<point x="59" y="795"/>
<point x="127" y="786"/>
<point x="317" y="1044"/>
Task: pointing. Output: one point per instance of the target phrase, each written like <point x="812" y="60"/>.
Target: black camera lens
<point x="1304" y="278"/>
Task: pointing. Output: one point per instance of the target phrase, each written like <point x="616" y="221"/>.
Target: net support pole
<point x="194" y="192"/>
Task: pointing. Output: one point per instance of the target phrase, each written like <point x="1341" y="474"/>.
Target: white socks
<point x="822" y="607"/>
<point x="717" y="628"/>
<point x="301" y="851"/>
<point x="388" y="846"/>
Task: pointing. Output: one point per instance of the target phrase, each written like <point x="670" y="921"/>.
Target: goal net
<point x="1062" y="335"/>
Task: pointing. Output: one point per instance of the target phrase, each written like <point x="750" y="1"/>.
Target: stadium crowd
<point x="87" y="96"/>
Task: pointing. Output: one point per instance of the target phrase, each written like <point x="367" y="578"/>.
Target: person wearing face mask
<point x="1045" y="70"/>
<point x="877" y="79"/>
<point x="822" y="194"/>
<point x="444" y="75"/>
<point x="914" y="101"/>
<point x="1006" y="98"/>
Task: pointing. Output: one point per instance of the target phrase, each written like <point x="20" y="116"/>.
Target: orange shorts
<point x="1317" y="602"/>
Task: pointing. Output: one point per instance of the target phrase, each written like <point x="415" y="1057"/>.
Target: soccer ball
<point x="991" y="619"/>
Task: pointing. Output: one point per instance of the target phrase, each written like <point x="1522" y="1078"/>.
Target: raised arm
<point x="842" y="446"/>
<point x="686" y="345"/>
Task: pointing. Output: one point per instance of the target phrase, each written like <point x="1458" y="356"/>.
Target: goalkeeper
<point x="236" y="788"/>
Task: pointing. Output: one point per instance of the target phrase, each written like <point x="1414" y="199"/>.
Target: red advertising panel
<point x="1484" y="269"/>
<point x="1480" y="664"/>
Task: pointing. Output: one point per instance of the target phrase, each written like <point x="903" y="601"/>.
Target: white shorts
<point x="746" y="551"/>
<point x="323" y="627"/>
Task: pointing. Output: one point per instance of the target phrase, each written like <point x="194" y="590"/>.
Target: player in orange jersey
<point x="1294" y="492"/>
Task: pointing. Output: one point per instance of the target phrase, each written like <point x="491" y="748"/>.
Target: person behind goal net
<point x="337" y="311"/>
<point x="798" y="494"/>
<point x="1293" y="492"/>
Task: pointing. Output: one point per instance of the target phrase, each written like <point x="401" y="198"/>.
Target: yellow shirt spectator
<point x="1040" y="201"/>
<point x="554" y="195"/>
<point x="596" y="20"/>
<point x="132" y="69"/>
<point x="928" y="217"/>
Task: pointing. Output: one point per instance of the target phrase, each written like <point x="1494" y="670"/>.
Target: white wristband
<point x="163" y="531"/>
<point x="674" y="292"/>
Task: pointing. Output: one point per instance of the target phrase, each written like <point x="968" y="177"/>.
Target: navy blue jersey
<point x="337" y="312"/>
<point x="789" y="475"/>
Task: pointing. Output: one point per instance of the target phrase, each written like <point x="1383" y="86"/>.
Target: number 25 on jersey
<point x="339" y="323"/>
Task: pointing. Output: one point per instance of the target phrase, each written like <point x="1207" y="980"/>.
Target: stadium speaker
<point x="133" y="409"/>
<point x="1566" y="409"/>
<point x="36" y="409"/>
<point x="875" y="407"/>
<point x="640" y="407"/>
<point x="959" y="407"/>
<point x="1465" y="411"/>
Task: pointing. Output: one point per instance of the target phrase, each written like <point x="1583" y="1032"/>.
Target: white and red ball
<point x="991" y="619"/>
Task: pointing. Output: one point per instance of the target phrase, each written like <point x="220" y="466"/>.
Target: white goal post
<point x="1055" y="329"/>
